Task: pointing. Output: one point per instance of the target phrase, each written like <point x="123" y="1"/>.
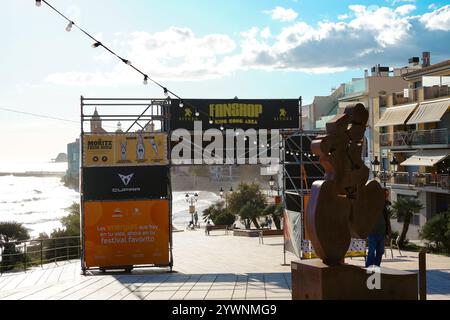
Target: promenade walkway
<point x="218" y="266"/>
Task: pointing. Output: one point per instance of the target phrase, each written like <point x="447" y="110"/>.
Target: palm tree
<point x="404" y="208"/>
<point x="276" y="211"/>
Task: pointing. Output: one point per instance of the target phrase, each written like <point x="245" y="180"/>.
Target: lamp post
<point x="191" y="199"/>
<point x="384" y="175"/>
<point x="223" y="193"/>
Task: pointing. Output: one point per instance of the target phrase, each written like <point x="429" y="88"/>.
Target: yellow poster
<point x="125" y="149"/>
<point x="98" y="150"/>
<point x="135" y="149"/>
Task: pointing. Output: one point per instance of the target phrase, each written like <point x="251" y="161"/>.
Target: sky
<point x="196" y="48"/>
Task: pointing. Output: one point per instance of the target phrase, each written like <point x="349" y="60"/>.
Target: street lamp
<point x="384" y="175"/>
<point x="222" y="193"/>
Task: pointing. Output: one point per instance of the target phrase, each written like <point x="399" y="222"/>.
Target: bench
<point x="209" y="228"/>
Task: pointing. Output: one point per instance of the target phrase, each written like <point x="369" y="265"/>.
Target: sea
<point x="40" y="202"/>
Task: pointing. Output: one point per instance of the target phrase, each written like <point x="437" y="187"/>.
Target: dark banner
<point x="235" y="113"/>
<point x="124" y="183"/>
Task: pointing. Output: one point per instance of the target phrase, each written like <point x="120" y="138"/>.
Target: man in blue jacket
<point x="376" y="238"/>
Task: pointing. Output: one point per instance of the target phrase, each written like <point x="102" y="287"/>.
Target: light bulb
<point x="197" y="113"/>
<point x="69" y="26"/>
<point x="181" y="104"/>
<point x="38" y="3"/>
<point x="221" y="128"/>
<point x="96" y="44"/>
<point x="166" y="92"/>
<point x="210" y="121"/>
<point x="145" y="80"/>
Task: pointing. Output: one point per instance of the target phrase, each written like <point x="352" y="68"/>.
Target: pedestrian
<point x="207" y="227"/>
<point x="195" y="219"/>
<point x="381" y="231"/>
<point x="270" y="223"/>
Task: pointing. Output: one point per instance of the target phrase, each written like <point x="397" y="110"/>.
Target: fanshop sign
<point x="123" y="183"/>
<point x="235" y="113"/>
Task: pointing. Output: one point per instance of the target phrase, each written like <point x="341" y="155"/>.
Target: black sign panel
<point x="235" y="113"/>
<point x="125" y="183"/>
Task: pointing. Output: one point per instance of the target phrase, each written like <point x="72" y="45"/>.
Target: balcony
<point x="416" y="138"/>
<point x="435" y="92"/>
<point x="356" y="86"/>
<point x="405" y="97"/>
<point x="425" y="181"/>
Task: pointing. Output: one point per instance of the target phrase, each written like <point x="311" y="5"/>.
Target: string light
<point x="69" y="26"/>
<point x="197" y="113"/>
<point x="181" y="104"/>
<point x="97" y="44"/>
<point x="128" y="62"/>
<point x="146" y="81"/>
<point x="211" y="121"/>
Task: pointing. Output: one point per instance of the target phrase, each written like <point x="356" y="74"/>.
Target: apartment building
<point x="414" y="128"/>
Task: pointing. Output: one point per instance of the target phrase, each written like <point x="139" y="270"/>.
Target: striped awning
<point x="395" y="115"/>
<point x="430" y="111"/>
<point x="427" y="158"/>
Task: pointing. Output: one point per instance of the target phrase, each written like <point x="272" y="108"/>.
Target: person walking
<point x="376" y="238"/>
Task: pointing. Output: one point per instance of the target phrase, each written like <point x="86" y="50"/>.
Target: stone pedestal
<point x="312" y="279"/>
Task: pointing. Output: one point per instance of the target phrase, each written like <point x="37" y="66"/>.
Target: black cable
<point x="100" y="44"/>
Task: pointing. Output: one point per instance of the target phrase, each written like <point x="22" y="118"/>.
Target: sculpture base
<point x="312" y="279"/>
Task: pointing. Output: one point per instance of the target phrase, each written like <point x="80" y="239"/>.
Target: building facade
<point x="414" y="128"/>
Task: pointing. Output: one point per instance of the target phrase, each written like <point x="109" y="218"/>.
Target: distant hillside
<point x="62" y="157"/>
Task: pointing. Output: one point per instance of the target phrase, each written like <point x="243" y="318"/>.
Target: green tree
<point x="218" y="214"/>
<point x="404" y="208"/>
<point x="11" y="232"/>
<point x="248" y="202"/>
<point x="71" y="223"/>
<point x="437" y="230"/>
<point x="276" y="212"/>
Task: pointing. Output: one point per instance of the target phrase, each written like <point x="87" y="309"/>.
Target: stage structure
<point x="126" y="219"/>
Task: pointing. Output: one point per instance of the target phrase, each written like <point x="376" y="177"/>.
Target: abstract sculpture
<point x="344" y="205"/>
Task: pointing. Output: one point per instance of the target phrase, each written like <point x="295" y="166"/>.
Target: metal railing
<point x="22" y="255"/>
<point x="399" y="98"/>
<point x="417" y="179"/>
<point x="415" y="138"/>
<point x="436" y="92"/>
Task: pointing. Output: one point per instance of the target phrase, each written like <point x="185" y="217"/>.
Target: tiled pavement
<point x="218" y="266"/>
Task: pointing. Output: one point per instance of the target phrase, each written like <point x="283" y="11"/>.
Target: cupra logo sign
<point x="126" y="179"/>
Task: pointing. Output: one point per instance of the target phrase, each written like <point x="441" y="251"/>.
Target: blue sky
<point x="249" y="49"/>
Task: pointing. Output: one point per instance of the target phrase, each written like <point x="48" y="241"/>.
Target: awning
<point x="430" y="111"/>
<point x="427" y="158"/>
<point x="395" y="115"/>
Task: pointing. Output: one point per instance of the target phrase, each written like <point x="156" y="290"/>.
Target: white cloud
<point x="438" y="19"/>
<point x="265" y="33"/>
<point x="282" y="14"/>
<point x="343" y="16"/>
<point x="432" y="6"/>
<point x="405" y="9"/>
<point x="395" y="2"/>
<point x="368" y="36"/>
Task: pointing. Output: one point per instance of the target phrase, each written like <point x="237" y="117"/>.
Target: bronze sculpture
<point x="344" y="205"/>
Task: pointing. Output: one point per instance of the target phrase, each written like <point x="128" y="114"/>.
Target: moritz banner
<point x="131" y="149"/>
<point x="235" y="113"/>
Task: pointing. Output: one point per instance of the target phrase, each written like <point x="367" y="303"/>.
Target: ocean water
<point x="36" y="166"/>
<point x="39" y="202"/>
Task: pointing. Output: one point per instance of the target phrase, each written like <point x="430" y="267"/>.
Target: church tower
<point x="96" y="123"/>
